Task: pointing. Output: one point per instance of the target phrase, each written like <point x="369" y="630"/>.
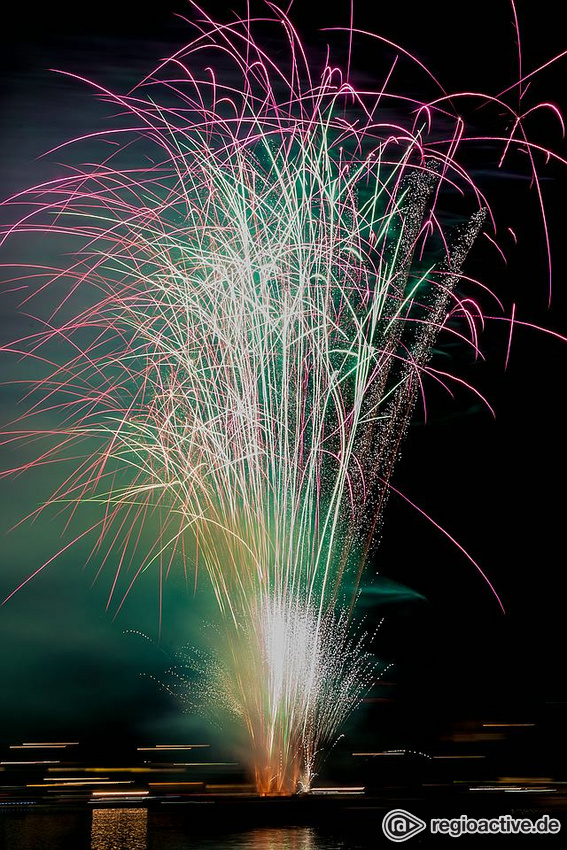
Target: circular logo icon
<point x="399" y="825"/>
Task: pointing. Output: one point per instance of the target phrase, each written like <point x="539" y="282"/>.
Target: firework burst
<point x="289" y="677"/>
<point x="239" y="341"/>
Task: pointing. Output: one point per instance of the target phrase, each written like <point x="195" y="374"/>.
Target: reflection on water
<point x="173" y="836"/>
<point x="300" y="838"/>
<point x="132" y="829"/>
<point x="119" y="829"/>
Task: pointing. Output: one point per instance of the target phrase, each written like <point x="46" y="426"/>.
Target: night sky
<point x="496" y="485"/>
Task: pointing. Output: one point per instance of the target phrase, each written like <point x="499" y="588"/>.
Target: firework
<point x="289" y="677"/>
<point x="239" y="342"/>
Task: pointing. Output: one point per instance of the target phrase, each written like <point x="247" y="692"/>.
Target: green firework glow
<point x="265" y="288"/>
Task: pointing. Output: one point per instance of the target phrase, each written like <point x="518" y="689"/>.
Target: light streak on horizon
<point x="173" y="747"/>
<point x="31" y="762"/>
<point x="119" y="794"/>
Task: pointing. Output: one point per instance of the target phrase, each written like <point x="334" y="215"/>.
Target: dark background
<point x="496" y="485"/>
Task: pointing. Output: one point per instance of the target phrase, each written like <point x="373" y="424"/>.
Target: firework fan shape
<point x="239" y="340"/>
<point x="309" y="674"/>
